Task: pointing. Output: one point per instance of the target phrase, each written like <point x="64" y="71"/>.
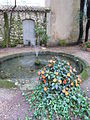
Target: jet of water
<point x="36" y="47"/>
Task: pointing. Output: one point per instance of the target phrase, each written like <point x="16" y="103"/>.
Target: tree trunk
<point x="88" y="21"/>
<point x="87" y="30"/>
<point x="82" y="2"/>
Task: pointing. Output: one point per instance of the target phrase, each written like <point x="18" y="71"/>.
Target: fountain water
<point x="36" y="48"/>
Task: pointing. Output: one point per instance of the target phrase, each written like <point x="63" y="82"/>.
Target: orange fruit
<point x="54" y="80"/>
<point x="68" y="63"/>
<point x="45" y="81"/>
<point x="49" y="65"/>
<point x="63" y="91"/>
<point x="54" y="61"/>
<point x="39" y="73"/>
<point x="43" y="77"/>
<point x="56" y="73"/>
<point x="76" y="82"/>
<point x="71" y="83"/>
<point x="67" y="88"/>
<point x="60" y="81"/>
<point x="68" y="74"/>
<point x="74" y="70"/>
<point x="70" y="71"/>
<point x="45" y="89"/>
<point x="76" y="85"/>
<point x="42" y="72"/>
<point x="51" y="61"/>
<point x="64" y="82"/>
<point x="66" y="93"/>
<point x="44" y="68"/>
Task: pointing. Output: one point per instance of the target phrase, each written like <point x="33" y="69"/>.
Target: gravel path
<point x="12" y="105"/>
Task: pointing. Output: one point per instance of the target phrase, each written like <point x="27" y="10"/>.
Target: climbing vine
<point x="6" y="28"/>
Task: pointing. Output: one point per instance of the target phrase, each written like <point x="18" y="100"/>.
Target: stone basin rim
<point x="70" y="56"/>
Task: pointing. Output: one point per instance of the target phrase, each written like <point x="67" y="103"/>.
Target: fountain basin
<point x="21" y="67"/>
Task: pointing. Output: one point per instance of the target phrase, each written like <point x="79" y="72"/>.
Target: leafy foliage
<point x="16" y="31"/>
<point x="58" y="95"/>
<point x="62" y="42"/>
<point x="6" y="28"/>
<point x="86" y="45"/>
<point x="6" y="84"/>
<point x="41" y="35"/>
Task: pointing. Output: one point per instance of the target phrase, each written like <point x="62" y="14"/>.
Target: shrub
<point x="41" y="35"/>
<point x="86" y="45"/>
<point x="62" y="42"/>
<point x="58" y="94"/>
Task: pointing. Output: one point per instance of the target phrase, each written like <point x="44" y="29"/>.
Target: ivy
<point x="6" y="28"/>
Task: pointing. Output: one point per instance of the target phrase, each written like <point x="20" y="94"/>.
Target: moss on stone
<point x="62" y="42"/>
<point x="85" y="73"/>
<point x="7" y="84"/>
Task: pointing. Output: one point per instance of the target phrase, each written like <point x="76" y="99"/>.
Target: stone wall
<point x="40" y="16"/>
<point x="62" y="21"/>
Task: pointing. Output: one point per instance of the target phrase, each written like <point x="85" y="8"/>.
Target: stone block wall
<point x="17" y="19"/>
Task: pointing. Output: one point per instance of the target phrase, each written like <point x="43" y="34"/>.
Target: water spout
<point x="36" y="47"/>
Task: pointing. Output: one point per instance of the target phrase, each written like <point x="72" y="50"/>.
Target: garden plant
<point x="58" y="95"/>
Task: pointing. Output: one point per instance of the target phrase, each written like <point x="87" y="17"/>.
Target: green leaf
<point x="74" y="98"/>
<point x="55" y="107"/>
<point x="56" y="86"/>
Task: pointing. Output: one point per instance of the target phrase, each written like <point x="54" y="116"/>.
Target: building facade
<point x="63" y="21"/>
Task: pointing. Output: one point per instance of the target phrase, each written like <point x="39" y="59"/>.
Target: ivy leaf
<point x="53" y="84"/>
<point x="79" y="101"/>
<point x="56" y="86"/>
<point x="74" y="98"/>
<point x="85" y="117"/>
<point x="55" y="107"/>
<point x="49" y="77"/>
